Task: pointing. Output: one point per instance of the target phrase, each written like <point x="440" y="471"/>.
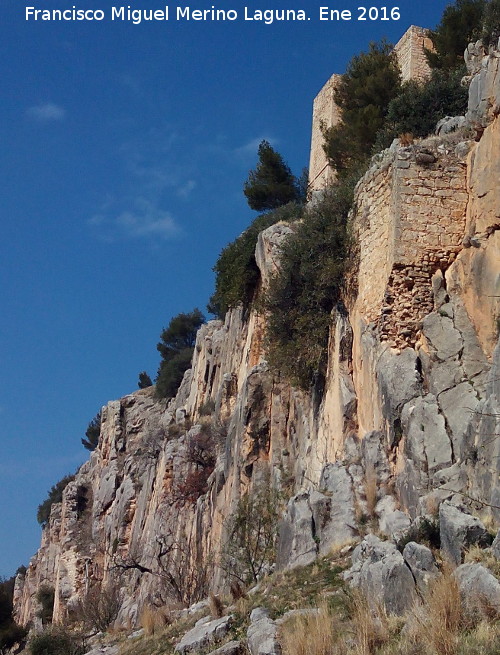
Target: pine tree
<point x="460" y="23"/>
<point x="371" y="81"/>
<point x="271" y="184"/>
<point x="92" y="433"/>
<point x="176" y="347"/>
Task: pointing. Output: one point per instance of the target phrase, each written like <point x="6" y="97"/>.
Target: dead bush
<point x="99" y="607"/>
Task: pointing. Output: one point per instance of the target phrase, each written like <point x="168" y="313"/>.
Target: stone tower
<point x="410" y="53"/>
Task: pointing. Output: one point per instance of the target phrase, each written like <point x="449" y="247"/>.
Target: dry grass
<point x="371" y="626"/>
<point x="478" y="555"/>
<point x="311" y="634"/>
<point x="154" y="619"/>
<point x="437" y="622"/>
<point x="406" y="139"/>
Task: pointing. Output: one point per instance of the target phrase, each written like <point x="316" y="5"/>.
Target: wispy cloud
<point x="46" y="112"/>
<point x="185" y="190"/>
<point x="252" y="146"/>
<point x="143" y="221"/>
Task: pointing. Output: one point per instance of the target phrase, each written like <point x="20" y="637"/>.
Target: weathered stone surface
<point x="421" y="562"/>
<point x="458" y="531"/>
<point x="262" y="634"/>
<point x="442" y="335"/>
<point x="450" y="124"/>
<point x="427" y="442"/>
<point x="458" y="405"/>
<point x="495" y="546"/>
<point x="231" y="648"/>
<point x="206" y="631"/>
<point x="297" y="546"/>
<point x="267" y="252"/>
<point x="104" y="650"/>
<point x="333" y="509"/>
<point x="479" y="585"/>
<point x="391" y="521"/>
<point x="379" y="570"/>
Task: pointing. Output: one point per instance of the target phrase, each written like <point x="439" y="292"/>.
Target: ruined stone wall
<point x="410" y="221"/>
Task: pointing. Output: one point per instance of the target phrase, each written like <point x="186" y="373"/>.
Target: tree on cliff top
<point x="93" y="432"/>
<point x="54" y="496"/>
<point x="460" y="23"/>
<point x="176" y="348"/>
<point x="272" y="183"/>
<point x="371" y="81"/>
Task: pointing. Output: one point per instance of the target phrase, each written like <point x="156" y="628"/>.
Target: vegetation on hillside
<point x="176" y="348"/>
<point x="93" y="432"/>
<point x="10" y="632"/>
<point x="372" y="79"/>
<point x="236" y="273"/>
<point x="308" y="286"/>
<point x="272" y="183"/>
<point x="54" y="496"/>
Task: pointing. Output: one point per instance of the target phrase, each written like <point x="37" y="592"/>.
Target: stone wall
<point x="410" y="51"/>
<point x="325" y="112"/>
<point x="410" y="223"/>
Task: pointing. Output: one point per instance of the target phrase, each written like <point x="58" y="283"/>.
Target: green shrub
<point x="54" y="496"/>
<point x="46" y="597"/>
<point x="10" y="635"/>
<point x="144" y="380"/>
<point x="271" y="184"/>
<point x="371" y="81"/>
<point x="419" y="106"/>
<point x="460" y="23"/>
<point x="491" y="23"/>
<point x="56" y="641"/>
<point x="236" y="272"/>
<point x="93" y="432"/>
<point x="425" y="531"/>
<point x="171" y="372"/>
<point x="307" y="287"/>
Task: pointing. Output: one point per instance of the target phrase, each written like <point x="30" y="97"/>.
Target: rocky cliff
<point x="409" y="415"/>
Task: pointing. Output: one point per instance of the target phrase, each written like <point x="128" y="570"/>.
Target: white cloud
<point x="185" y="190"/>
<point x="252" y="146"/>
<point x="46" y="112"/>
<point x="144" y="221"/>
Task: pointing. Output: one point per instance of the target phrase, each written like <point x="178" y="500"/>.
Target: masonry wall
<point x="325" y="112"/>
<point x="410" y="223"/>
<point x="410" y="51"/>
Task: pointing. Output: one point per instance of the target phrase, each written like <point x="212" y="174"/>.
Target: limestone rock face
<point x="406" y="420"/>
<point x="458" y="531"/>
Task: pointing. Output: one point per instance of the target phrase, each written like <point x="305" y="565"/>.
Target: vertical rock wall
<point x="411" y="400"/>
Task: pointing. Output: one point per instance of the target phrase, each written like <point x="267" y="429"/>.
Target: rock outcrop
<point x="409" y="416"/>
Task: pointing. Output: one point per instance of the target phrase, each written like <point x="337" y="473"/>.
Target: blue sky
<point x="124" y="149"/>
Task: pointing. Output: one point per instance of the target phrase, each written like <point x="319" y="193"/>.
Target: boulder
<point x="478" y="587"/>
<point x="458" y="531"/>
<point x="206" y="631"/>
<point x="380" y="571"/>
<point x="231" y="648"/>
<point x="421" y="562"/>
<point x="262" y="634"/>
